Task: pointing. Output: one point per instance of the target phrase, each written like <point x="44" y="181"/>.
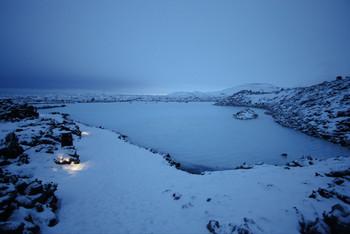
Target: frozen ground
<point x="121" y="188"/>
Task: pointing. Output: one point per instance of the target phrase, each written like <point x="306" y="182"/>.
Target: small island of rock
<point x="245" y="114"/>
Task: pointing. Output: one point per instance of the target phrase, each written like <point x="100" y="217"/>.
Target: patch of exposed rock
<point x="10" y="111"/>
<point x="22" y="203"/>
<point x="248" y="226"/>
<point x="245" y="114"/>
<point x="335" y="221"/>
<point x="27" y="203"/>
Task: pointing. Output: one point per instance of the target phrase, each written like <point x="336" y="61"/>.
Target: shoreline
<point x="133" y="191"/>
<point x="198" y="169"/>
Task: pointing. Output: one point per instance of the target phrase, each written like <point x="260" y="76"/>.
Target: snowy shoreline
<point x="260" y="200"/>
<point x="182" y="192"/>
<point x="118" y="187"/>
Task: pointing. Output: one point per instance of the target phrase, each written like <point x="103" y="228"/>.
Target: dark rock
<point x="123" y="137"/>
<point x="39" y="207"/>
<point x="76" y="131"/>
<point x="21" y="186"/>
<point x="11" y="228"/>
<point x="170" y="160"/>
<point x="343" y="198"/>
<point x="13" y="148"/>
<point x="50" y="150"/>
<point x="10" y="111"/>
<point x="53" y="202"/>
<point x="51" y="107"/>
<point x="294" y="164"/>
<point x="325" y="193"/>
<point x="208" y="199"/>
<point x="6" y="212"/>
<point x="32" y="228"/>
<point x="66" y="139"/>
<point x="46" y="141"/>
<point x="338" y="219"/>
<point x="213" y="226"/>
<point x="248" y="226"/>
<point x="341" y="173"/>
<point x="177" y="196"/>
<point x="313" y="195"/>
<point x="52" y="222"/>
<point x="345" y="113"/>
<point x="284" y="154"/>
<point x="312" y="227"/>
<point x="338" y="181"/>
<point x="7" y="206"/>
<point x="17" y="192"/>
<point x="67" y="159"/>
<point x="4" y="162"/>
<point x="34" y="188"/>
<point x="23" y="159"/>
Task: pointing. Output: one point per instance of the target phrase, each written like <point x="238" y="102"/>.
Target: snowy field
<point x="121" y="188"/>
<point x="202" y="136"/>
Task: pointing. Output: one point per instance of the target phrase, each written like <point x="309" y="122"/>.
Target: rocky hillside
<point x="28" y="204"/>
<point x="321" y="110"/>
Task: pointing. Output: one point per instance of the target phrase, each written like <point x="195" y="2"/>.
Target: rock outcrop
<point x="10" y="111"/>
<point x="26" y="199"/>
<point x="245" y="114"/>
<point x="321" y="110"/>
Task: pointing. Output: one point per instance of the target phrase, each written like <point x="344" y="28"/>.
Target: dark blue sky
<point x="159" y="46"/>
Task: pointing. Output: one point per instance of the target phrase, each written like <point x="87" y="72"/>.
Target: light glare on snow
<point x="75" y="168"/>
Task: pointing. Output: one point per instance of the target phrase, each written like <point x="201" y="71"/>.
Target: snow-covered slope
<point x="217" y="95"/>
<point x="321" y="110"/>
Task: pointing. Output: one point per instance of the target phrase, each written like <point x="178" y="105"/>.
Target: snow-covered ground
<point x="121" y="188"/>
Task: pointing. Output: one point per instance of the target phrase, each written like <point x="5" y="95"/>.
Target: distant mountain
<point x="256" y="87"/>
<point x="195" y="96"/>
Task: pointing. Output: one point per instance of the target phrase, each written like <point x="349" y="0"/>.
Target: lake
<point x="202" y="136"/>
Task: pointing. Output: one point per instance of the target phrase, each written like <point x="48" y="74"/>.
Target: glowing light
<point x="74" y="168"/>
<point x="60" y="158"/>
<point x="85" y="133"/>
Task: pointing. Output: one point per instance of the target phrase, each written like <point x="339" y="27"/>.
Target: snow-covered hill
<point x="321" y="110"/>
<point x="257" y="87"/>
<point x="217" y="95"/>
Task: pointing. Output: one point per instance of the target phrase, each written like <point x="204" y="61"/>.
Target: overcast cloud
<point x="160" y="46"/>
